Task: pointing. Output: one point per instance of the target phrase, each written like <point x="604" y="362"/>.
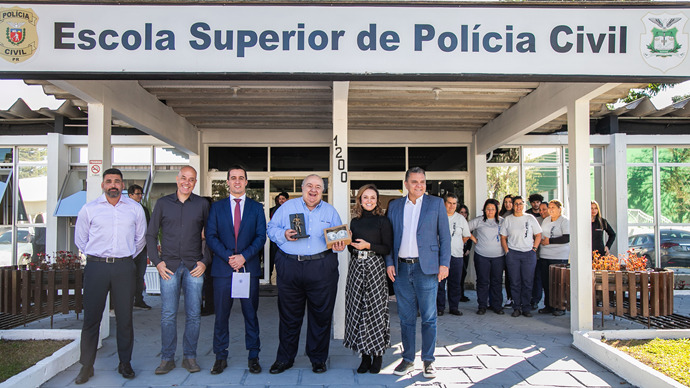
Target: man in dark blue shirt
<point x="181" y="218"/>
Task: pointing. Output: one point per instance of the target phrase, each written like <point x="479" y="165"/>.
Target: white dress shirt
<point x="408" y="244"/>
<point x="242" y="199"/>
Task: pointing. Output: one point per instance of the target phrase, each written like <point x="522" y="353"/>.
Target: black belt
<point x="316" y="256"/>
<point x="408" y="260"/>
<point x="106" y="259"/>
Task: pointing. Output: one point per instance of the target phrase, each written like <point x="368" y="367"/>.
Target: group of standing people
<point x="419" y="243"/>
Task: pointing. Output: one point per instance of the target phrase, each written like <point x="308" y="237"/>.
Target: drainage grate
<point x="675" y="321"/>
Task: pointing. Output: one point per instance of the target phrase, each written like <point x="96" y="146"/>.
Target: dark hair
<point x="449" y="195"/>
<point x="281" y="194"/>
<point x="133" y="188"/>
<point x="536" y="197"/>
<point x="414" y="170"/>
<point x="466" y="208"/>
<point x="112" y="171"/>
<point x="237" y="167"/>
<point x="357" y="211"/>
<point x="503" y="205"/>
<point x="515" y="198"/>
<point x="494" y="202"/>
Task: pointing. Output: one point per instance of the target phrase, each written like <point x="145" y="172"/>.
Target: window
<point x="300" y="159"/>
<point x="376" y="158"/>
<point x="438" y="158"/>
<point x="251" y="158"/>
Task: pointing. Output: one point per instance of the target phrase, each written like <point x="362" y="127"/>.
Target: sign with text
<point x="360" y="40"/>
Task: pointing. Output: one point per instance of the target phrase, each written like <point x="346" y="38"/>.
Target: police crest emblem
<point x="18" y="34"/>
<point x="664" y="45"/>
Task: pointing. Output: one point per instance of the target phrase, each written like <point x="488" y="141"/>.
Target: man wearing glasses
<point x="136" y="193"/>
<point x="307" y="274"/>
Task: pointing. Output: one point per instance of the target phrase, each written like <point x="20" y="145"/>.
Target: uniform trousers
<point x="521" y="266"/>
<point x="537" y="283"/>
<point x="140" y="260"/>
<point x="222" y="288"/>
<point x="454" y="285"/>
<point x="99" y="279"/>
<point x="489" y="278"/>
<point x="313" y="283"/>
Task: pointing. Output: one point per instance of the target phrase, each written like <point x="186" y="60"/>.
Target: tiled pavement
<point x="471" y="350"/>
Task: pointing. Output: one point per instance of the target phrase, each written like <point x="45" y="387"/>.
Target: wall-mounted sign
<point x="387" y="40"/>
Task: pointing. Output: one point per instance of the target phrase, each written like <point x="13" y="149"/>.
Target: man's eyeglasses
<point x="137" y="193"/>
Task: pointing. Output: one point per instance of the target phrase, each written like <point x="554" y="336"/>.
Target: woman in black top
<point x="367" y="320"/>
<point x="599" y="226"/>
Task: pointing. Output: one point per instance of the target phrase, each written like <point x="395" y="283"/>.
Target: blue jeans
<point x="489" y="279"/>
<point x="170" y="298"/>
<point x="414" y="289"/>
<point x="521" y="266"/>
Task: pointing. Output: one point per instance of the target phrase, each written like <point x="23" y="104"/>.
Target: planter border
<point x="622" y="364"/>
<point x="48" y="367"/>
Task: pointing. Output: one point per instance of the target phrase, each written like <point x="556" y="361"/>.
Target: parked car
<point x="23" y="245"/>
<point x="674" y="247"/>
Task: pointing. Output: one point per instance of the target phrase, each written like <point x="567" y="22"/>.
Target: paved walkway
<point x="471" y="350"/>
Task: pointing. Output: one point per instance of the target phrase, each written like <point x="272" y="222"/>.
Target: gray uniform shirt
<point x="520" y="231"/>
<point x="488" y="236"/>
<point x="551" y="229"/>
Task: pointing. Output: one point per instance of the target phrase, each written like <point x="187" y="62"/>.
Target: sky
<point x="11" y="90"/>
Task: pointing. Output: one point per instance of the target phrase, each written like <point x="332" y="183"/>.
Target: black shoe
<point x="125" y="369"/>
<point x="546" y="310"/>
<point x="376" y="364"/>
<point x="84" y="374"/>
<point x="535" y="306"/>
<point x="527" y="314"/>
<point x="279" y="367"/>
<point x="481" y="311"/>
<point x="318" y="367"/>
<point x="558" y="313"/>
<point x="499" y="311"/>
<point x="464" y="299"/>
<point x="515" y="314"/>
<point x="219" y="366"/>
<point x="365" y="365"/>
<point x="254" y="366"/>
<point x="142" y="305"/>
<point x="455" y="312"/>
<point x="403" y="368"/>
<point x="207" y="312"/>
<point x="439" y="313"/>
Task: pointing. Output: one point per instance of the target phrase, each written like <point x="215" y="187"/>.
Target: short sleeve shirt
<point x="520" y="231"/>
<point x="551" y="229"/>
<point x="488" y="236"/>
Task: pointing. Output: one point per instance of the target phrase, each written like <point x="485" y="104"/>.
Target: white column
<point x="100" y="118"/>
<point x="340" y="193"/>
<point x="580" y="225"/>
<point x="58" y="165"/>
<point x="616" y="205"/>
<point x="478" y="179"/>
<point x="195" y="161"/>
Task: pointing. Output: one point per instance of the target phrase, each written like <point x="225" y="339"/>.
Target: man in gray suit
<point x="418" y="261"/>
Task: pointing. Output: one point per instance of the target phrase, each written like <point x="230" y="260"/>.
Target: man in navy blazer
<point x="232" y="252"/>
<point x="418" y="261"/>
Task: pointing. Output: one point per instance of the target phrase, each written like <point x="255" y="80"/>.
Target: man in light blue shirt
<point x="307" y="272"/>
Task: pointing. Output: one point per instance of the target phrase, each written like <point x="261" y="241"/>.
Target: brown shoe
<point x="191" y="365"/>
<point x="165" y="367"/>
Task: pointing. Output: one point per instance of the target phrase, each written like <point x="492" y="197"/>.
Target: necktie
<point x="236" y="219"/>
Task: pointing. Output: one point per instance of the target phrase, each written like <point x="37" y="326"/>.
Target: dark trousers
<point x="453" y="283"/>
<point x="208" y="292"/>
<point x="140" y="261"/>
<point x="521" y="267"/>
<point x="489" y="279"/>
<point x="537" y="283"/>
<point x="99" y="278"/>
<point x="222" y="288"/>
<point x="465" y="263"/>
<point x="545" y="264"/>
<point x="312" y="283"/>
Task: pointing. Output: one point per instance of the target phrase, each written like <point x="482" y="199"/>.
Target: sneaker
<point x="191" y="365"/>
<point x="429" y="370"/>
<point x="509" y="303"/>
<point x="403" y="368"/>
<point x="165" y="367"/>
